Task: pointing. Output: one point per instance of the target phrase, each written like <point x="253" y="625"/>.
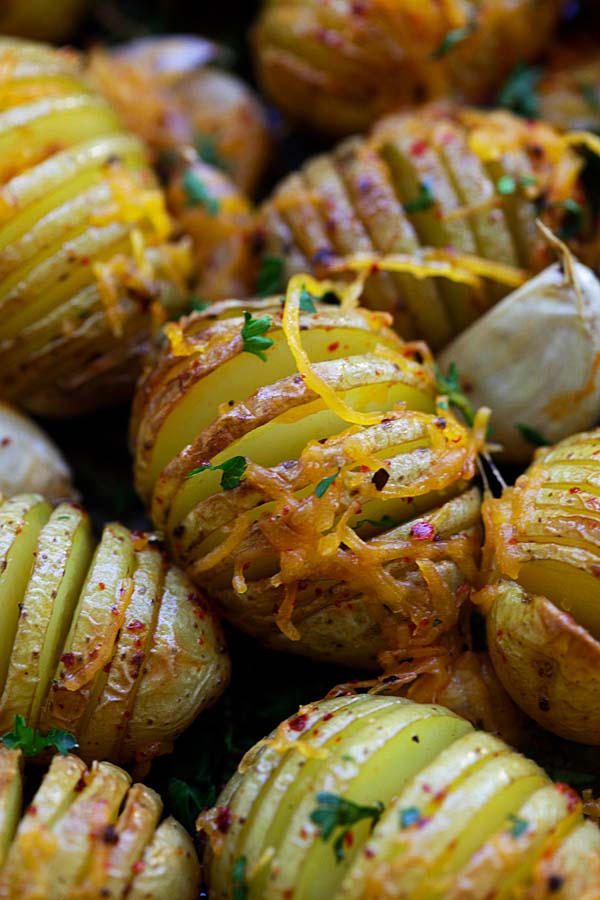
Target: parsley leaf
<point x="233" y="471"/>
<point x="307" y="301"/>
<point x="334" y="812"/>
<point x="32" y="742"/>
<point x="197" y="194"/>
<point x="252" y="335"/>
<point x="238" y="879"/>
<point x="452" y="38"/>
<point x="198" y="305"/>
<point x="325" y="483"/>
<point x="207" y="150"/>
<point x="450" y="386"/>
<point x="519" y="91"/>
<point x="531" y="435"/>
<point x="185" y="802"/>
<point x="506" y="184"/>
<point x="270" y="276"/>
<point x="409" y="816"/>
<point x="424" y="200"/>
<point x="519" y="826"/>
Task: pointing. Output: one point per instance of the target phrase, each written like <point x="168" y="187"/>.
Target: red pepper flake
<point x="575" y="490"/>
<point x="135" y="625"/>
<point x="31" y="810"/>
<point x="327" y="717"/>
<point x="422" y="531"/>
<point x="368" y="853"/>
<point x="573" y="801"/>
<point x="139" y="866"/>
<point x="418" y="148"/>
<point x="5" y="442"/>
<point x="101" y="585"/>
<point x="298" y="723"/>
<point x="114" y="610"/>
<point x="68" y="660"/>
<point x="223" y="819"/>
<point x="348" y="839"/>
<point x="333" y="347"/>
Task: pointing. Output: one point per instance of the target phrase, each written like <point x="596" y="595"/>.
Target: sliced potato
<point x="169" y="866"/>
<point x="29" y="460"/>
<point x="11" y="790"/>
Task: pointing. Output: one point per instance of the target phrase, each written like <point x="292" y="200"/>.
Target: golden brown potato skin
<point x="441" y="178"/>
<point x="91" y="833"/>
<point x="541" y="592"/>
<point x="87" y="270"/>
<point x="340" y="65"/>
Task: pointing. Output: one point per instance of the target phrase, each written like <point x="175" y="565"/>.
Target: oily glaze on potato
<point x="377" y="797"/>
<point x="86" y="269"/>
<point x="113" y="644"/>
<point x="353" y="527"/>
<point x="89" y="834"/>
<point x="445" y="183"/>
<point x="542" y="590"/>
<point x="339" y="65"/>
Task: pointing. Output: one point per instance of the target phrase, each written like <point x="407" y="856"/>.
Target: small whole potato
<point x="377" y="797"/>
<point x="89" y="833"/>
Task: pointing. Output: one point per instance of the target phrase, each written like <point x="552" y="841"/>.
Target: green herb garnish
<point x="185" y="802"/>
<point x="325" y="483"/>
<point x="506" y="184"/>
<point x="207" y="150"/>
<point x="450" y="386"/>
<point x="253" y="331"/>
<point x="424" y="200"/>
<point x="32" y="742"/>
<point x="239" y="884"/>
<point x="531" y="435"/>
<point x="519" y="92"/>
<point x="198" y="305"/>
<point x="197" y="194"/>
<point x="233" y="471"/>
<point x="452" y="38"/>
<point x="307" y="301"/>
<point x="334" y="812"/>
<point x="270" y="276"/>
<point x="519" y="826"/>
<point x="409" y="816"/>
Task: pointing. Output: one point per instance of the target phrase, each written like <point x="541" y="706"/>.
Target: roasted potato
<point x="568" y="94"/>
<point x="443" y="183"/>
<point x="35" y="20"/>
<point x="550" y="325"/>
<point x="541" y="593"/>
<point x="170" y="93"/>
<point x="339" y="65"/>
<point x="89" y="834"/>
<point x="29" y="461"/>
<point x="112" y="644"/>
<point x="364" y="797"/>
<point x="86" y="269"/>
<point x="323" y="503"/>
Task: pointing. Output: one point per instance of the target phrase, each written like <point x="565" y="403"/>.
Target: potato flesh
<point x="29" y="460"/>
<point x="11" y="789"/>
<point x="572" y="590"/>
<point x="159" y="879"/>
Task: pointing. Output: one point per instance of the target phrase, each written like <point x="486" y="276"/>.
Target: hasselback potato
<point x="89" y="834"/>
<point x="86" y="269"/>
<point x="29" y="461"/>
<point x="542" y="590"/>
<point x="112" y="644"/>
<point x="451" y="183"/>
<point x="339" y="65"/>
<point x="374" y="798"/>
<point x="292" y="455"/>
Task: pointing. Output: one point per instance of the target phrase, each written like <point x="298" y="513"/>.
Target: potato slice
<point x="185" y="670"/>
<point x="21" y="520"/>
<point x="29" y="460"/>
<point x="11" y="791"/>
<point x="62" y="557"/>
<point x="157" y="877"/>
<point x="90" y="644"/>
<point x="573" y="870"/>
<point x="106" y="725"/>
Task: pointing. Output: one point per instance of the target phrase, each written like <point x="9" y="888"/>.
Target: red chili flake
<point x="348" y="839"/>
<point x="424" y="622"/>
<point x="31" y="810"/>
<point x="422" y="531"/>
<point x="333" y="347"/>
<point x="298" y="723"/>
<point x="101" y="585"/>
<point x="223" y="819"/>
<point x="200" y="641"/>
<point x="369" y="853"/>
<point x="574" y="490"/>
<point x="512" y="540"/>
<point x="462" y="590"/>
<point x="135" y="625"/>
<point x="114" y="610"/>
<point x="572" y="796"/>
<point x="418" y="148"/>
<point x="327" y="717"/>
<point x="68" y="660"/>
<point x="5" y="442"/>
<point x="374" y="268"/>
<point x="139" y="866"/>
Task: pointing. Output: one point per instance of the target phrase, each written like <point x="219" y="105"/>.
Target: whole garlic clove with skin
<point x="535" y="359"/>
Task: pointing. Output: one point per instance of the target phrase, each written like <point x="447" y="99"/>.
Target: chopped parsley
<point x="409" y="816"/>
<point x="253" y="331"/>
<point x="450" y="386"/>
<point x="519" y="92"/>
<point x="307" y="301"/>
<point x="32" y="742"/>
<point x="185" y="802"/>
<point x="335" y="813"/>
<point x="531" y="435"/>
<point x="325" y="483"/>
<point x="239" y="885"/>
<point x="198" y="305"/>
<point x="423" y="200"/>
<point x="452" y="38"/>
<point x="270" y="276"/>
<point x="233" y="471"/>
<point x="197" y="193"/>
<point x="519" y="826"/>
<point x="208" y="151"/>
<point x="506" y="184"/>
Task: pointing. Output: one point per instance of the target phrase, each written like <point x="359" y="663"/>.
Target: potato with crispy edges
<point x="293" y="457"/>
<point x="377" y="797"/>
<point x="89" y="834"/>
<point x="542" y="594"/>
<point x="443" y="184"/>
<point x="87" y="271"/>
<point x="112" y="644"/>
<point x="339" y="65"/>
